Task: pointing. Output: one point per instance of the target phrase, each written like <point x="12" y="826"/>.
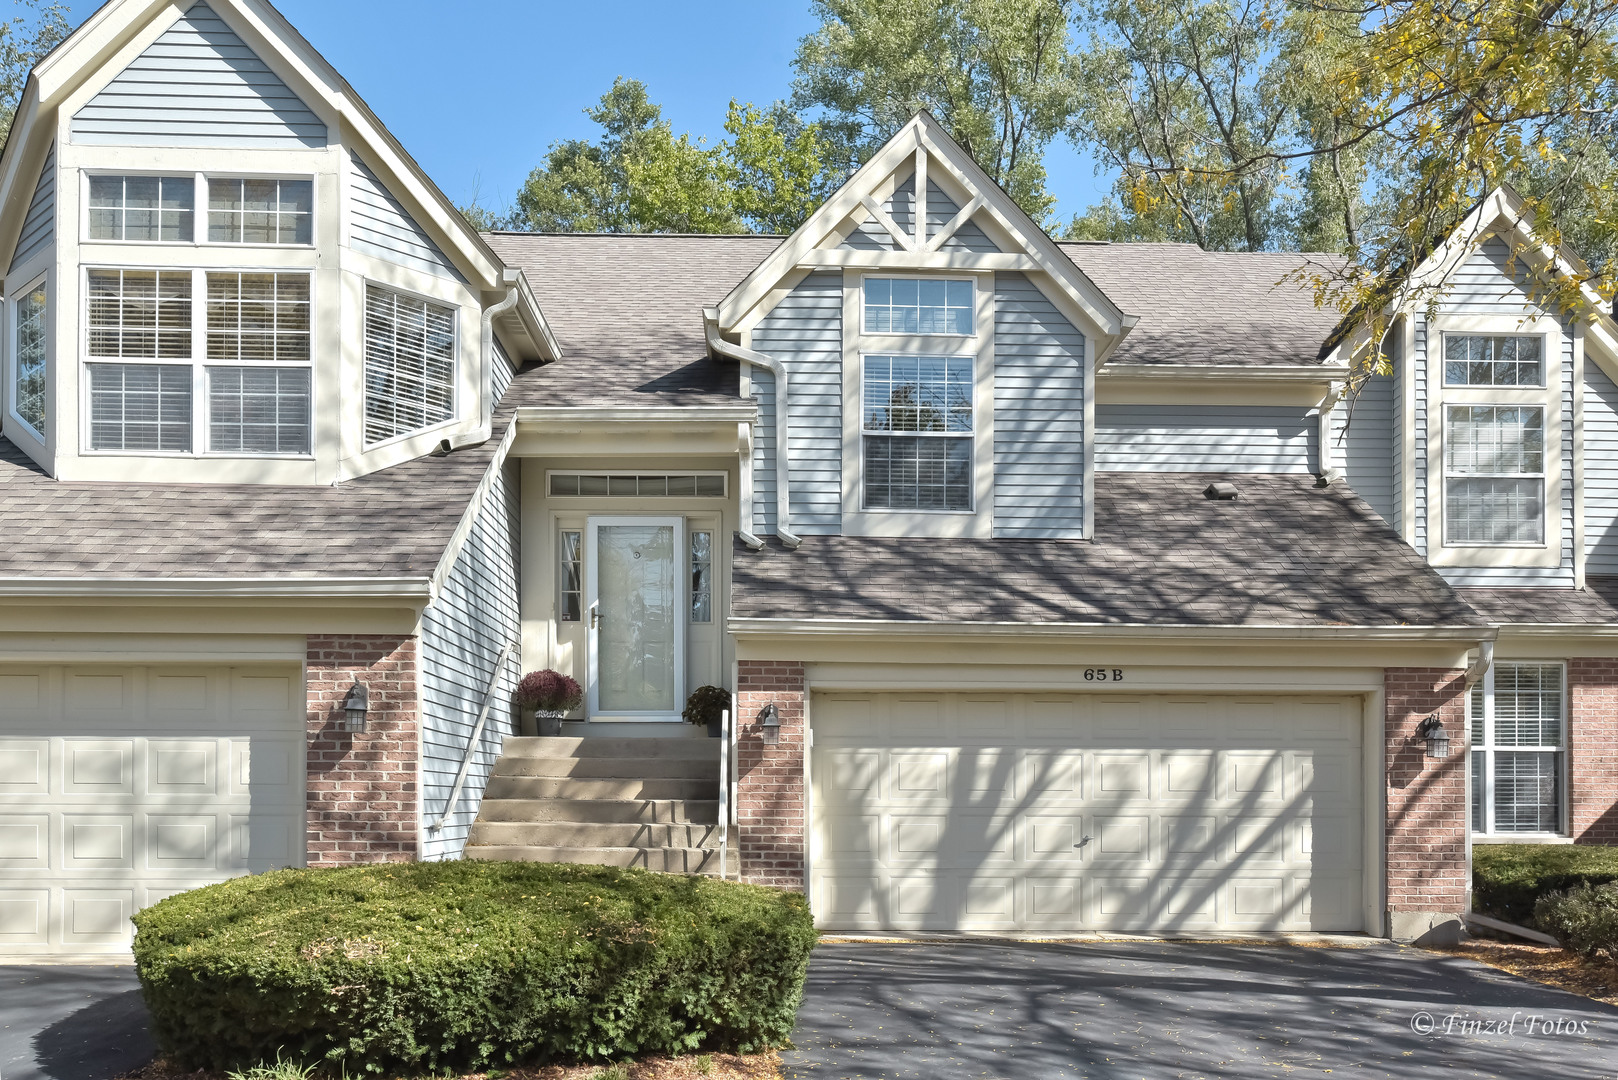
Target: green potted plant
<point x="544" y="698"/>
<point x="704" y="707"/>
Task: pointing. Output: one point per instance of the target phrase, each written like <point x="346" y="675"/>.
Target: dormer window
<point x="1493" y="360"/>
<point x="919" y="306"/>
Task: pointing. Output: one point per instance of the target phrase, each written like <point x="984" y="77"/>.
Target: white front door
<point x="636" y="617"/>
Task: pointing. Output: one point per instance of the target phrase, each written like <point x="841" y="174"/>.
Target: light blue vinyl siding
<point x="380" y="226"/>
<point x="805" y="332"/>
<point x="1600" y="471"/>
<point x="198" y="85"/>
<point x="1038" y="415"/>
<point x="1206" y="438"/>
<point x="462" y="635"/>
<point x="940" y="209"/>
<point x="1490" y="283"/>
<point x="1363" y="441"/>
<point x="39" y="227"/>
<point x="501" y="376"/>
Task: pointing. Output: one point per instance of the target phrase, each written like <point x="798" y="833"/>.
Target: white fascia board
<point x="533" y="318"/>
<point x="413" y="589"/>
<point x="655" y="414"/>
<point x="1595" y="630"/>
<point x="1226" y="372"/>
<point x="840" y="258"/>
<point x="890" y="628"/>
<point x="19" y="170"/>
<point x="90" y="47"/>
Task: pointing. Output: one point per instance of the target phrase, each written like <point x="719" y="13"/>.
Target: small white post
<point x="724" y="788"/>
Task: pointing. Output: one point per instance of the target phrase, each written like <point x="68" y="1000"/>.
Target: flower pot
<point x="716" y="729"/>
<point x="549" y="721"/>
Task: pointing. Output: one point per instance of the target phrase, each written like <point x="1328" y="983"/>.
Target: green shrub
<point x="1508" y="879"/>
<point x="1584" y="919"/>
<point x="462" y="965"/>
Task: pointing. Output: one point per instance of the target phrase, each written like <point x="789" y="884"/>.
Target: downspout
<point x="1480" y="665"/>
<point x="1334" y="392"/>
<point x="783" y="491"/>
<point x="486" y="414"/>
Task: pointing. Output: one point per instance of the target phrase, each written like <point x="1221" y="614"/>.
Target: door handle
<point x="595" y="617"/>
<point x="1084" y="841"/>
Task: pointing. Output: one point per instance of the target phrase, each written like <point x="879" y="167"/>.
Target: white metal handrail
<point x="476" y="737"/>
<point x="724" y="788"/>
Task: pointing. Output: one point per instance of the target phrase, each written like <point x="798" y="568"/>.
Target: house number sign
<point x="1103" y="674"/>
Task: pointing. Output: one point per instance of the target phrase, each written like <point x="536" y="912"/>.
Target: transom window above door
<point x="1494" y="360"/>
<point x="916" y="420"/>
<point x="919" y="306"/>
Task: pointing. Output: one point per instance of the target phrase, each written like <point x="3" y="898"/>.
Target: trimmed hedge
<point x="1584" y="919"/>
<point x="464" y="965"/>
<point x="1508" y="879"/>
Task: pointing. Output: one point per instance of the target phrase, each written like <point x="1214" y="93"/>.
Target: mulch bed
<point x="1591" y="978"/>
<point x="691" y="1067"/>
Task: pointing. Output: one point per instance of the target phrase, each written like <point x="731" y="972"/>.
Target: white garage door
<point x="1046" y="813"/>
<point x="120" y="786"/>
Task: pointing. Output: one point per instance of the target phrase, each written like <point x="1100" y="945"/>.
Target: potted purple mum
<point x="546" y="696"/>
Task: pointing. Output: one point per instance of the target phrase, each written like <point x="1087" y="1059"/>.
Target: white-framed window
<point x="409" y="363"/>
<point x="701" y="576"/>
<point x="702" y="485"/>
<point x="142" y="208"/>
<point x="169" y="353"/>
<point x="1494" y="474"/>
<point x="916" y="432"/>
<point x="245" y="210"/>
<point x="30" y="321"/>
<point x="1518" y="716"/>
<point x="570" y="575"/>
<point x="1494" y="360"/>
<point x="919" y="306"/>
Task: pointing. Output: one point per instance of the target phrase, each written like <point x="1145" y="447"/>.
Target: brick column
<point x="1593" y="749"/>
<point x="1425" y="842"/>
<point x="363" y="789"/>
<point x="770" y="798"/>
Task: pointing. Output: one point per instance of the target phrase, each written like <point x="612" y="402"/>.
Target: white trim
<point x="858" y="258"/>
<point x="474" y="506"/>
<point x="901" y="336"/>
<point x="723" y="475"/>
<point x="889" y="628"/>
<point x="1227" y="372"/>
<point x="644" y="414"/>
<point x="268" y="587"/>
<point x="12" y="328"/>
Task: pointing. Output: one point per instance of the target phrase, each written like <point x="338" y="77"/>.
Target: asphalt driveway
<point x="71" y="1023"/>
<point x="1185" y="1010"/>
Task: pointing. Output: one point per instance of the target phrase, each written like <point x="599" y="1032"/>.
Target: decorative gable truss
<point x="922" y="203"/>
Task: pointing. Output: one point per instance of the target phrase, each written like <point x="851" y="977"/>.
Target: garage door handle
<point x="1084" y="841"/>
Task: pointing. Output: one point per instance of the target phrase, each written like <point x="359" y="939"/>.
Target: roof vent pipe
<point x="783" y="490"/>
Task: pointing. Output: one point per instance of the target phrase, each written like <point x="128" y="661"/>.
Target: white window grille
<point x="28" y="368"/>
<point x="917" y="432"/>
<point x="1494" y="360"/>
<point x="151" y="208"/>
<point x="701" y="576"/>
<point x="249" y="211"/>
<point x="1494" y="474"/>
<point x="1518" y="718"/>
<point x="409" y="363"/>
<point x="918" y="306"/>
<point x="570" y="564"/>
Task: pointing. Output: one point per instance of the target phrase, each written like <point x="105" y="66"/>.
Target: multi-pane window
<point x="1493" y="360"/>
<point x="570" y="586"/>
<point x="247" y="211"/>
<point x="918" y="306"/>
<point x="701" y="576"/>
<point x="28" y="372"/>
<point x="622" y="485"/>
<point x="1518" y="738"/>
<point x="409" y="363"/>
<point x="250" y="390"/>
<point x="142" y="208"/>
<point x="916" y="415"/>
<point x="1494" y="474"/>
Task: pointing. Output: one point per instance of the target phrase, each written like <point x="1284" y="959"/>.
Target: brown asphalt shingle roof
<point x="1596" y="603"/>
<point x="1286" y="553"/>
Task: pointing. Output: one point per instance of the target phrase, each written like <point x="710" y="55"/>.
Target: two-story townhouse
<point x="1062" y="586"/>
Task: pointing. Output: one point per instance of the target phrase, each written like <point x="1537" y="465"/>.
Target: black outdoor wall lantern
<point x="355" y="706"/>
<point x="769" y="719"/>
<point x="1432" y="730"/>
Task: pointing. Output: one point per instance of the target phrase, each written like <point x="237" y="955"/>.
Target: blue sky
<point x="478" y="97"/>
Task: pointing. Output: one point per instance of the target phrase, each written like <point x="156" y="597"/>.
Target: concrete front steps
<point x="651" y="803"/>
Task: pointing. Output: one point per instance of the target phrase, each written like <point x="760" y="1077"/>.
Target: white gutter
<point x="486" y="412"/>
<point x="783" y="490"/>
<point x="1224" y="372"/>
<point x="889" y="628"/>
<point x="415" y="589"/>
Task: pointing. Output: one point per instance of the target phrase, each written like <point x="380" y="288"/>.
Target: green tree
<point x="995" y="73"/>
<point x="779" y="169"/>
<point x="24" y="40"/>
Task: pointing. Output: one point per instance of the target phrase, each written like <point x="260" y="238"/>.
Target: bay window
<point x="916" y="422"/>
<point x="1517" y="716"/>
<point x="169" y="352"/>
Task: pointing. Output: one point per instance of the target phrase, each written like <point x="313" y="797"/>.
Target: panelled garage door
<point x="1047" y="813"/>
<point x="120" y="786"/>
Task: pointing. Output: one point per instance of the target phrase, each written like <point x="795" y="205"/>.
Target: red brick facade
<point x="770" y="794"/>
<point x="1426" y="797"/>
<point x="1593" y="749"/>
<point x="363" y="789"/>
